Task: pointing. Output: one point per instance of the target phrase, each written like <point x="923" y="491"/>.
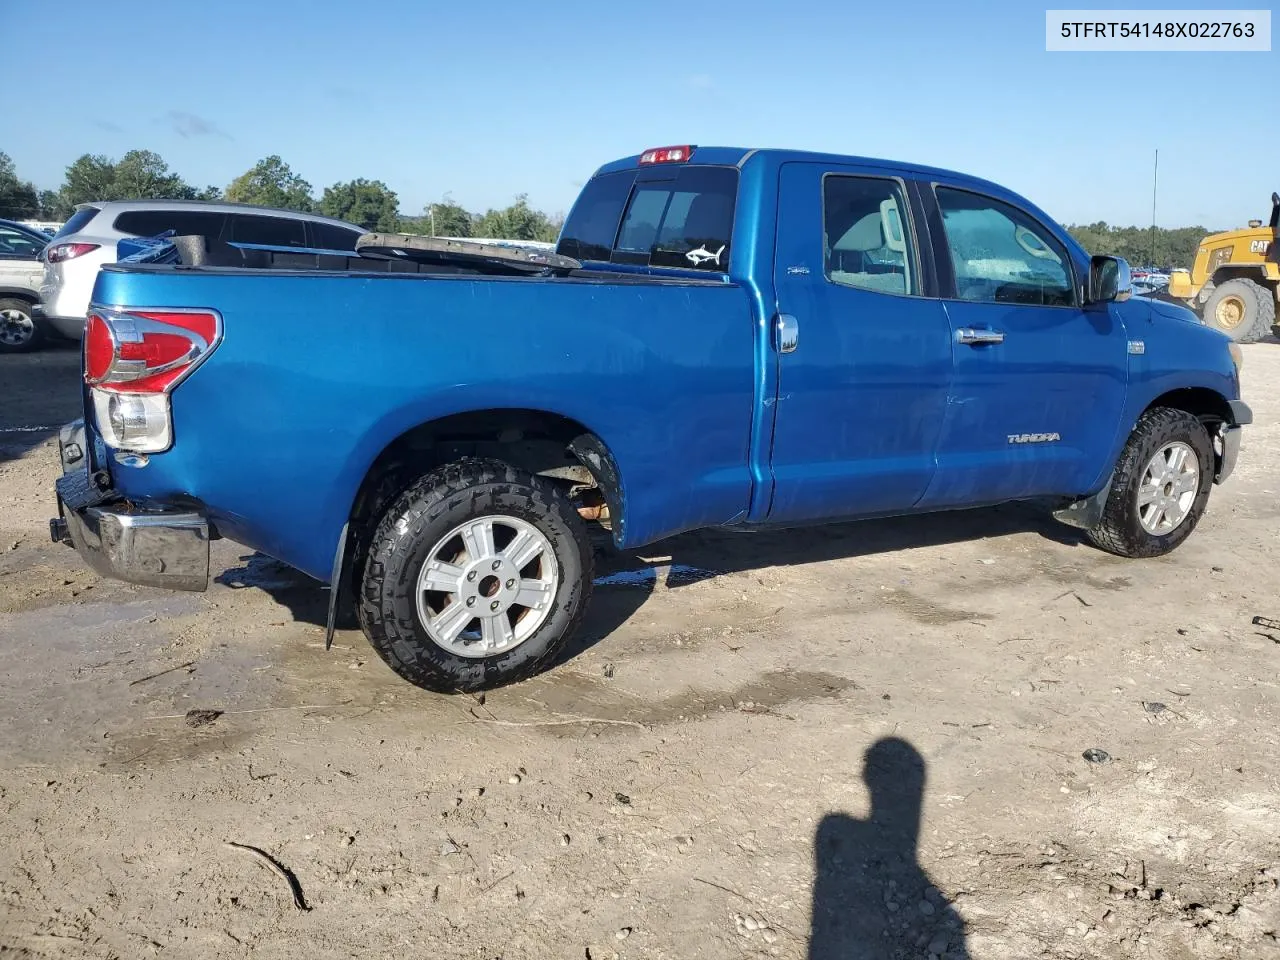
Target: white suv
<point x="88" y="240"/>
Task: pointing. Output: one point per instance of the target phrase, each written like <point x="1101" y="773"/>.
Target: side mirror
<point x="1109" y="280"/>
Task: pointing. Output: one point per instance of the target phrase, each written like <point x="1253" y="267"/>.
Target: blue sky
<point x="486" y="100"/>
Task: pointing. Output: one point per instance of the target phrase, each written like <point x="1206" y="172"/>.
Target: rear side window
<point x="329" y="236"/>
<point x="77" y="222"/>
<point x="868" y="245"/>
<point x="268" y="231"/>
<point x="148" y="223"/>
<point x="589" y="232"/>
<point x="663" y="217"/>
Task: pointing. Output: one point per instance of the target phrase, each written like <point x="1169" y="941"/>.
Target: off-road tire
<point x="412" y="525"/>
<point x="1120" y="531"/>
<point x="37" y="327"/>
<point x="1259" y="309"/>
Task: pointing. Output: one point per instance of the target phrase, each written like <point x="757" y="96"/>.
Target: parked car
<point x="20" y="274"/>
<point x="724" y="337"/>
<point x="88" y="240"/>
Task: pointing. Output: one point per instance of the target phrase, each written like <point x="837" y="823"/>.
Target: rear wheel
<point x="1160" y="487"/>
<point x="19" y="331"/>
<point x="477" y="576"/>
<point x="1242" y="309"/>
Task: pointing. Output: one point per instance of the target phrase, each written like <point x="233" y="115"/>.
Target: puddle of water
<point x="676" y="573"/>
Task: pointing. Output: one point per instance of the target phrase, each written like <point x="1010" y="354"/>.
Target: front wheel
<point x="1242" y="309"/>
<point x="1160" y="487"/>
<point x="477" y="576"/>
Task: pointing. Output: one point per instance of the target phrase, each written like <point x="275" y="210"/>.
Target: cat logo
<point x="1259" y="246"/>
<point x="1034" y="438"/>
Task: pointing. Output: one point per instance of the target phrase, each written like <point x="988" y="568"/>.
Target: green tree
<point x="517" y="222"/>
<point x="52" y="207"/>
<point x="209" y="193"/>
<point x="18" y="198"/>
<point x="369" y="203"/>
<point x="448" y="219"/>
<point x="270" y="183"/>
<point x="90" y="177"/>
<point x="143" y="175"/>
<point x="1168" y="248"/>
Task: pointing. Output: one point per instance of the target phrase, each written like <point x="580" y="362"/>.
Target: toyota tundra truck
<point x="722" y="338"/>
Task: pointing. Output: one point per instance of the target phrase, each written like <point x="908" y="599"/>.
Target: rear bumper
<point x="156" y="545"/>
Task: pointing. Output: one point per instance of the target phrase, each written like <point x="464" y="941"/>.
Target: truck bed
<point x="663" y="367"/>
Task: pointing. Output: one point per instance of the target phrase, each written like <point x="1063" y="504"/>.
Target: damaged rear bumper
<point x="156" y="545"/>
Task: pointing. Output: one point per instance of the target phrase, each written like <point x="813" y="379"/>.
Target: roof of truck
<point x="739" y="156"/>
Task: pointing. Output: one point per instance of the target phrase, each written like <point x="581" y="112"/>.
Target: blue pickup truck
<point x="722" y="337"/>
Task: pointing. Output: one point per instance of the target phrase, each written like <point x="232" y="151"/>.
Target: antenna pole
<point x="1155" y="174"/>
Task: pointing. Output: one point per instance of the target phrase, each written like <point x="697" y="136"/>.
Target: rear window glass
<point x="77" y="222"/>
<point x="685" y="221"/>
<point x="329" y="236"/>
<point x="589" y="232"/>
<point x="268" y="231"/>
<point x="659" y="217"/>
<point x="148" y="223"/>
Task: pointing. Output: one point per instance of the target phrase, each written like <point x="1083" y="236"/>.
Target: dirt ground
<point x="861" y="741"/>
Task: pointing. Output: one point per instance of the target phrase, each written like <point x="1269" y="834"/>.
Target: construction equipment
<point x="1235" y="280"/>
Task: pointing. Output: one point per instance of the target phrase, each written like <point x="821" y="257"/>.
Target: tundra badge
<point x="1034" y="438"/>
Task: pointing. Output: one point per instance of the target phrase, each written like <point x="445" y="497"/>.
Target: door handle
<point x="786" y="332"/>
<point x="976" y="338"/>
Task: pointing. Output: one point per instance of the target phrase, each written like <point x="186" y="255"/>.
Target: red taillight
<point x="99" y="349"/>
<point x="146" y="351"/>
<point x="68" y="251"/>
<point x="666" y="155"/>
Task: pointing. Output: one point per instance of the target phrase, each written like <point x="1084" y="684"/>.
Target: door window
<point x="1002" y="255"/>
<point x="330" y="236"/>
<point x="866" y="241"/>
<point x="267" y="231"/>
<point x="149" y="223"/>
<point x="15" y="243"/>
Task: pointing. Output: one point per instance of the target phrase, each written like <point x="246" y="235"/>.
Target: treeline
<point x="1166" y="249"/>
<point x="144" y="175"/>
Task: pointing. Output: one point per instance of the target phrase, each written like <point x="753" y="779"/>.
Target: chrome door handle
<point x="786" y="332"/>
<point x="978" y="337"/>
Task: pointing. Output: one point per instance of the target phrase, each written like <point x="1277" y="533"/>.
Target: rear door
<point x="1040" y="379"/>
<point x="20" y="267"/>
<point x="863" y="394"/>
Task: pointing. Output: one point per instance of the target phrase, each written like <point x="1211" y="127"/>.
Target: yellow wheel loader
<point x="1235" y="281"/>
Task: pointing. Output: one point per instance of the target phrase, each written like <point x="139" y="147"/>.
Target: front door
<point x="1040" y="379"/>
<point x="863" y="394"/>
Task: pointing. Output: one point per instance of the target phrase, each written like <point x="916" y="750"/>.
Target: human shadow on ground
<point x="872" y="900"/>
<point x="624" y="580"/>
